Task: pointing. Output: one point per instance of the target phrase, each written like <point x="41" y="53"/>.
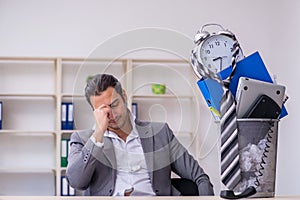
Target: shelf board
<point x="113" y="60"/>
<point x="63" y="168"/>
<point x="72" y="95"/>
<point x="28" y="170"/>
<point x="24" y="59"/>
<point x="67" y="131"/>
<point x="32" y="95"/>
<point x="77" y="59"/>
<point x="27" y="132"/>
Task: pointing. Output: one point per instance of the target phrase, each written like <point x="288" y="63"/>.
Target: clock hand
<point x="221" y="64"/>
<point x="219" y="58"/>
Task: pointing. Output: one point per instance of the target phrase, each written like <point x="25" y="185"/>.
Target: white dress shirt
<point x="132" y="172"/>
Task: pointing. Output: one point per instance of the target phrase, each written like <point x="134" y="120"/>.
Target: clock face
<point x="216" y="52"/>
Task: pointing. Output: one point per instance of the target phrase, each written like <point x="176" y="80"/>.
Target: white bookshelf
<point x="32" y="90"/>
<point x="178" y="106"/>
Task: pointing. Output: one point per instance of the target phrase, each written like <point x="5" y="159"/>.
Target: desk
<point x="135" y="198"/>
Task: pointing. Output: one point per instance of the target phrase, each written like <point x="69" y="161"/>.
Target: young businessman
<point x="125" y="156"/>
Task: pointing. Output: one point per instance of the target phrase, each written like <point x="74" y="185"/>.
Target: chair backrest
<point x="185" y="186"/>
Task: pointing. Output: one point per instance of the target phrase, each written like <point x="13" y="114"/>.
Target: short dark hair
<point x="99" y="83"/>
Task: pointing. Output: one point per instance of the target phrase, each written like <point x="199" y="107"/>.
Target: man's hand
<point x="101" y="115"/>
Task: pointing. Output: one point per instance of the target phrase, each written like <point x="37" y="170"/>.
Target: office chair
<point x="185" y="186"/>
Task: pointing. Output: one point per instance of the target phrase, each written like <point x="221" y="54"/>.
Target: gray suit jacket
<point x="94" y="168"/>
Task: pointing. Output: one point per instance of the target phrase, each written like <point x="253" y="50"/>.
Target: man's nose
<point x="110" y="114"/>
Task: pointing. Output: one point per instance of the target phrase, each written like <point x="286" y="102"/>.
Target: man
<point x="123" y="156"/>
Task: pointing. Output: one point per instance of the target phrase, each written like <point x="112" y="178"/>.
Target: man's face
<point x="118" y="115"/>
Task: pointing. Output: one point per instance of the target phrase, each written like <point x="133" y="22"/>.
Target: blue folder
<point x="212" y="93"/>
<point x="70" y="117"/>
<point x="252" y="67"/>
<point x="67" y="116"/>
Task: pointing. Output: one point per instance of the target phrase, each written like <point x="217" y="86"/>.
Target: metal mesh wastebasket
<point x="258" y="155"/>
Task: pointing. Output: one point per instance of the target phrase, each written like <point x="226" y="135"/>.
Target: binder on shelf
<point x="63" y="116"/>
<point x="67" y="116"/>
<point x="66" y="189"/>
<point x="64" y="186"/>
<point x="64" y="152"/>
<point x="1" y="114"/>
<point x="252" y="67"/>
<point x="134" y="109"/>
<point x="70" y="117"/>
<point x="72" y="191"/>
<point x="69" y="145"/>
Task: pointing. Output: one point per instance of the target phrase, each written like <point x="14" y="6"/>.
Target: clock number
<point x="217" y="43"/>
<point x="207" y="51"/>
<point x="211" y="46"/>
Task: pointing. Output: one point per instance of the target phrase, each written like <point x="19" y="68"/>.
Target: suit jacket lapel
<point x="146" y="136"/>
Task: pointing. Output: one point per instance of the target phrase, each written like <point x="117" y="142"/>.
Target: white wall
<point x="75" y="28"/>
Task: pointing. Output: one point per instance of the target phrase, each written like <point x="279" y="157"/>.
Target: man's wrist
<point x="98" y="135"/>
<point x="99" y="144"/>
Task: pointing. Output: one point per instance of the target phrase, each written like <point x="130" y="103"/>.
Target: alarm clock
<point x="215" y="51"/>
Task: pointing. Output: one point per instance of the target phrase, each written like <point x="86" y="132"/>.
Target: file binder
<point x="66" y="189"/>
<point x="69" y="146"/>
<point x="252" y="67"/>
<point x="64" y="152"/>
<point x="72" y="191"/>
<point x="135" y="109"/>
<point x="1" y="114"/>
<point x="67" y="116"/>
<point x="64" y="116"/>
<point x="70" y="117"/>
<point x="64" y="186"/>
